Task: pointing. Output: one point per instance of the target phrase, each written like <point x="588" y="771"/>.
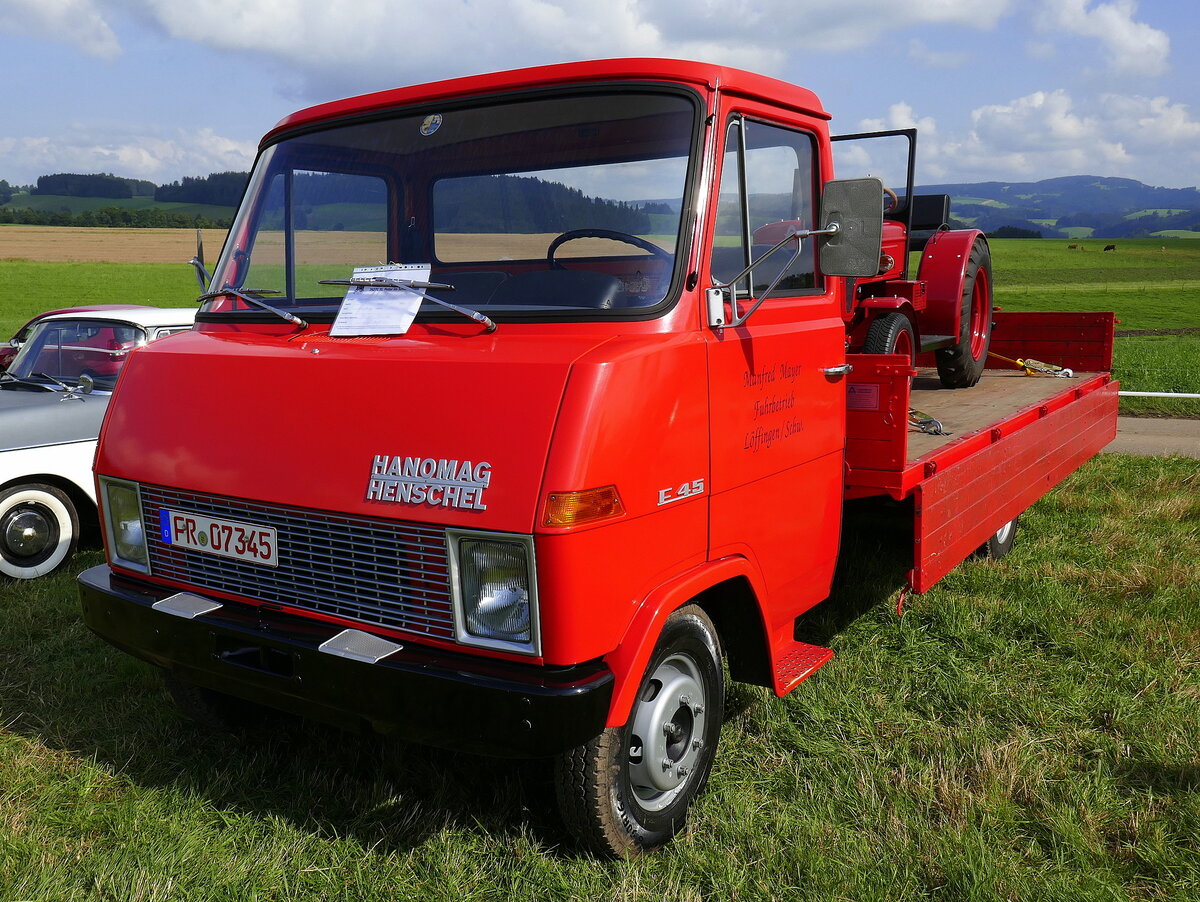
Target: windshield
<point x="64" y="350"/>
<point x="559" y="206"/>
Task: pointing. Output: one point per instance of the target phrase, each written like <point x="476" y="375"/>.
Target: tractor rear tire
<point x="891" y="333"/>
<point x="961" y="365"/>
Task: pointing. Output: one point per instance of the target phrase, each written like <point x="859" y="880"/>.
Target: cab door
<point x="776" y="386"/>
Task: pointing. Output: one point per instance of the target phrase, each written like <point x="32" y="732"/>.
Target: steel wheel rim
<point x="666" y="737"/>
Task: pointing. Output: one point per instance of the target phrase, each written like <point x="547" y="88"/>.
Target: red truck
<point x="522" y="412"/>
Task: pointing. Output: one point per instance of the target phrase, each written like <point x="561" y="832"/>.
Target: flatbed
<point x="1006" y="442"/>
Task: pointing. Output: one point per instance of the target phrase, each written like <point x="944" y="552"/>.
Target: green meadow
<point x="1027" y="730"/>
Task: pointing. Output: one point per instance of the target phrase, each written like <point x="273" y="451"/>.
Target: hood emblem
<point x="434" y="482"/>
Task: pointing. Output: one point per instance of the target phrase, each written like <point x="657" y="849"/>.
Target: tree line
<point x="113" y="217"/>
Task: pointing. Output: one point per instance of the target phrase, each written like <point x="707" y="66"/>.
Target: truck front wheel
<point x="961" y="365"/>
<point x="628" y="790"/>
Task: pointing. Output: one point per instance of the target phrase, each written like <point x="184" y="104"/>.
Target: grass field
<point x="1152" y="286"/>
<point x="1027" y="731"/>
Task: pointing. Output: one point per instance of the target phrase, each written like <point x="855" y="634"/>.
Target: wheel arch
<point x="85" y="506"/>
<point x="728" y="590"/>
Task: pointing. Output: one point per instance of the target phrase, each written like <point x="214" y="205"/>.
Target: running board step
<point x="797" y="662"/>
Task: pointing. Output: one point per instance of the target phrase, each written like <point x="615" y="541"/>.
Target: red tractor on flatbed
<point x="525" y="410"/>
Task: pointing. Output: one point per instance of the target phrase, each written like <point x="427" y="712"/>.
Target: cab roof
<point x="704" y="76"/>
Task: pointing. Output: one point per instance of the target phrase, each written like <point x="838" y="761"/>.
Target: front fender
<point x="628" y="662"/>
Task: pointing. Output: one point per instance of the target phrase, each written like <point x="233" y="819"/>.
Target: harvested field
<point x="60" y="244"/>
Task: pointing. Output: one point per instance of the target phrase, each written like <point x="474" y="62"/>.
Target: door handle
<point x="844" y="370"/>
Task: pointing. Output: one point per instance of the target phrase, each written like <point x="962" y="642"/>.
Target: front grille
<point x="384" y="572"/>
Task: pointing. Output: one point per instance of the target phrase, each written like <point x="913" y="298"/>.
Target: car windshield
<point x="64" y="350"/>
<point x="557" y="206"/>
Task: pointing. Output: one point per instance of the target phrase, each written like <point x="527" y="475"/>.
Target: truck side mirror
<point x="851" y="233"/>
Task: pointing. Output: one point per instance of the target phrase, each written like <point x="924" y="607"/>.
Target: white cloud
<point x="1047" y="133"/>
<point x="156" y="158"/>
<point x="77" y="22"/>
<point x="396" y="42"/>
<point x="1133" y="47"/>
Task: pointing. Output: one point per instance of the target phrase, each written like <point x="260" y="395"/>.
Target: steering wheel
<point x="611" y="234"/>
<point x="889" y="194"/>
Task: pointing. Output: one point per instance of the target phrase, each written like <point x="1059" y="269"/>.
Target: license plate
<point x="228" y="538"/>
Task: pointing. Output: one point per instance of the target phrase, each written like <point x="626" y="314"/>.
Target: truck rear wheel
<point x="961" y="365"/>
<point x="39" y="530"/>
<point x="999" y="544"/>
<point x="890" y="333"/>
<point x="627" y="791"/>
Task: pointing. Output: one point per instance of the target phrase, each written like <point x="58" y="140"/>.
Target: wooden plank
<point x="964" y="411"/>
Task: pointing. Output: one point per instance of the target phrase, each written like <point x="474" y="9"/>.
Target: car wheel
<point x="39" y="530"/>
<point x="628" y="790"/>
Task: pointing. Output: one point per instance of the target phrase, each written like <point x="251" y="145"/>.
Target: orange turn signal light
<point x="588" y="506"/>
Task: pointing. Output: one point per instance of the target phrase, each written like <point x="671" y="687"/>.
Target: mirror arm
<point x="716" y="294"/>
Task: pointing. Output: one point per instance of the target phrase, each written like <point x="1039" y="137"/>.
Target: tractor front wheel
<point x="890" y="333"/>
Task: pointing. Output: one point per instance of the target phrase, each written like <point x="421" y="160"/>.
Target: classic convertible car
<point x="52" y="402"/>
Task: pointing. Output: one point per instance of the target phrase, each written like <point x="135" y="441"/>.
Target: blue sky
<point x="1000" y="89"/>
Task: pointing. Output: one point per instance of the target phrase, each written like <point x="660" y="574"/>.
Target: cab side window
<point x="767" y="190"/>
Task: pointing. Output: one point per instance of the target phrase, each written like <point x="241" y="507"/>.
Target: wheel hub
<point x="26" y="532"/>
<point x="667" y="730"/>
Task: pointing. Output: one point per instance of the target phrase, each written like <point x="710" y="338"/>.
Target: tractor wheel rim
<point x="979" y="315"/>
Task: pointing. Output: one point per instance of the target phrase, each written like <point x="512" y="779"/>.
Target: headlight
<point x="495" y="592"/>
<point x="123" y="524"/>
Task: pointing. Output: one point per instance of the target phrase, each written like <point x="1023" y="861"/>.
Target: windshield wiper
<point x="419" y="288"/>
<point x="251" y="296"/>
<point x="20" y="380"/>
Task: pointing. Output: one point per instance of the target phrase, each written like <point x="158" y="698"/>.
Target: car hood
<point x="436" y="427"/>
<point x="33" y="419"/>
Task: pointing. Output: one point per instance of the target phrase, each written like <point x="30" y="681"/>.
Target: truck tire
<point x="891" y="333"/>
<point x="961" y="365"/>
<point x="39" y="530"/>
<point x="999" y="544"/>
<point x="628" y="790"/>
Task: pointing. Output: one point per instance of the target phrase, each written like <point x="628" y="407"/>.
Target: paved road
<point x="1149" y="437"/>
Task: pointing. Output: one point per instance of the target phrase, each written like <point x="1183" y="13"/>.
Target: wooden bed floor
<point x="962" y="411"/>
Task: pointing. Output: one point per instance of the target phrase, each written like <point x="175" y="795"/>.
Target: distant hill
<point x="1074" y="207"/>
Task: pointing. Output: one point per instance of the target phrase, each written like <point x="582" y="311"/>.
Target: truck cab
<point x="519" y="409"/>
